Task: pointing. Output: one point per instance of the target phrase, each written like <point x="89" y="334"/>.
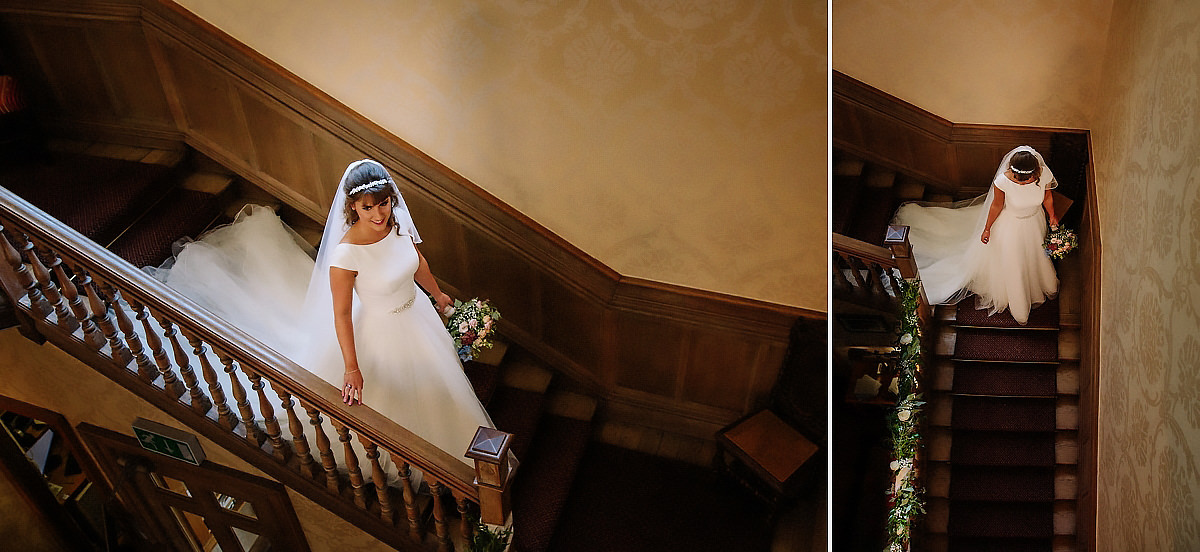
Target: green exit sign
<point x="168" y="441"/>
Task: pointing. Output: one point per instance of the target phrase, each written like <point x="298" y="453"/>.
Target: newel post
<point x="896" y="239"/>
<point x="493" y="474"/>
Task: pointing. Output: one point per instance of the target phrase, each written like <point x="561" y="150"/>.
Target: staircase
<point x="866" y="195"/>
<point x="137" y="202"/>
<point x="1003" y="437"/>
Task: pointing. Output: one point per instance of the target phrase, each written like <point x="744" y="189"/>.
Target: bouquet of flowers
<point x="1059" y="242"/>
<point x="471" y="324"/>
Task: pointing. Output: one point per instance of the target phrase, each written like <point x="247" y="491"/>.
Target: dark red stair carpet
<point x="1003" y="419"/>
<point x="181" y="213"/>
<point x="629" y="501"/>
<point x="1009" y="345"/>
<point x="1042" y="316"/>
<point x="993" y="448"/>
<point x="1004" y="545"/>
<point x="517" y="411"/>
<point x="484" y="379"/>
<point x="990" y="483"/>
<point x="545" y="479"/>
<point x="1030" y="520"/>
<point x="93" y="195"/>
<point x="993" y="378"/>
<point x="1002" y="413"/>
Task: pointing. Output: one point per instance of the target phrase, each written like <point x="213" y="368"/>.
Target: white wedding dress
<point x="254" y="273"/>
<point x="1011" y="271"/>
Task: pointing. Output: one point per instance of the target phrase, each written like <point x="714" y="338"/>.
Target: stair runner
<point x="140" y="211"/>
<point x="1002" y="454"/>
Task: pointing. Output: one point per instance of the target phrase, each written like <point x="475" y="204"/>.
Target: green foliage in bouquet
<point x="471" y="324"/>
<point x="1060" y="241"/>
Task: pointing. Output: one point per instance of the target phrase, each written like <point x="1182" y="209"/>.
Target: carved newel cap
<point x="488" y="449"/>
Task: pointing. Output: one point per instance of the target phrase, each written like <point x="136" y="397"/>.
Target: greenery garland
<point x="906" y="495"/>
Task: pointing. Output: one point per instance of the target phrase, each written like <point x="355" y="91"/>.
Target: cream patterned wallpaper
<point x="676" y="140"/>
<point x="1147" y="152"/>
<point x="1022" y="62"/>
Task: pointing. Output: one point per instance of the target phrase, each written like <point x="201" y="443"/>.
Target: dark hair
<point x="1024" y="164"/>
<point x="378" y="190"/>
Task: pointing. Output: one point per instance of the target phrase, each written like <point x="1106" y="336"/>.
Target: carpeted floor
<point x="627" y="501"/>
<point x="1003" y="423"/>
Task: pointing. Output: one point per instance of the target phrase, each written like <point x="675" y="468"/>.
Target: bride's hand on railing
<point x="352" y="388"/>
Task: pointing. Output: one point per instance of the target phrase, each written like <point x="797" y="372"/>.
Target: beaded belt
<point x="404" y="307"/>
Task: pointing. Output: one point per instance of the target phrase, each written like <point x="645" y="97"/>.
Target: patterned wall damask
<point x="1024" y="62"/>
<point x="676" y="140"/>
<point x="1147" y="153"/>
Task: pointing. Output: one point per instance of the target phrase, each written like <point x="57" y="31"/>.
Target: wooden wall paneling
<point x="62" y="50"/>
<point x="648" y="353"/>
<point x="573" y="323"/>
<point x="123" y="51"/>
<point x="721" y="371"/>
<point x="444" y="245"/>
<point x="500" y="274"/>
<point x="333" y="155"/>
<point x="20" y="58"/>
<point x="212" y="118"/>
<point x="284" y="151"/>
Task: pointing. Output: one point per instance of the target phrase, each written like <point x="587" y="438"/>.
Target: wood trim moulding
<point x="849" y="89"/>
<point x="1086" y="528"/>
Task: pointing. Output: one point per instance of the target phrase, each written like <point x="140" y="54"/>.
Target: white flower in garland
<point x="906" y="339"/>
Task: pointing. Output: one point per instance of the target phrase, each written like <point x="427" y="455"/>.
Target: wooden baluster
<point x="410" y="499"/>
<point x="224" y="415"/>
<point x="200" y="403"/>
<point x="171" y="384"/>
<point x="91" y="334"/>
<point x="468" y="528"/>
<point x="26" y="279"/>
<point x="253" y="432"/>
<point x="146" y="369"/>
<point x="70" y="295"/>
<point x="49" y="289"/>
<point x="102" y="316"/>
<point x="323" y="449"/>
<point x="356" y="478"/>
<point x="439" y="517"/>
<point x="274" y="434"/>
<point x="380" y="479"/>
<point x="299" y="443"/>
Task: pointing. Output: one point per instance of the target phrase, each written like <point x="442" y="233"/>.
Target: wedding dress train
<point x="254" y="273"/>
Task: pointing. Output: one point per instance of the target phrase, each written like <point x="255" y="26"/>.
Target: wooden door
<point x="189" y="508"/>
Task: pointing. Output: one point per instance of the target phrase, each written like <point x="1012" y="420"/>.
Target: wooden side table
<point x="766" y="455"/>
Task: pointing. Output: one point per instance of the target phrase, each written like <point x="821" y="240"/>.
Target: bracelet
<point x="352" y="371"/>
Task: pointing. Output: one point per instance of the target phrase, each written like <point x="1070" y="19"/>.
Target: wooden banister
<point x="196" y="348"/>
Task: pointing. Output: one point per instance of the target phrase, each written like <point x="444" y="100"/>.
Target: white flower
<point x="904" y="414"/>
<point x="462" y="327"/>
<point x="472" y="323"/>
<point x="895" y="465"/>
<point x="906" y="339"/>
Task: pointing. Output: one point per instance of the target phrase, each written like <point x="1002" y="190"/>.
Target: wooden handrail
<point x="863" y="250"/>
<point x="120" y="297"/>
<point x="896" y="261"/>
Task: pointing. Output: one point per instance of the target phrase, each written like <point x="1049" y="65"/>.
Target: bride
<point x="355" y="317"/>
<point x="990" y="246"/>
